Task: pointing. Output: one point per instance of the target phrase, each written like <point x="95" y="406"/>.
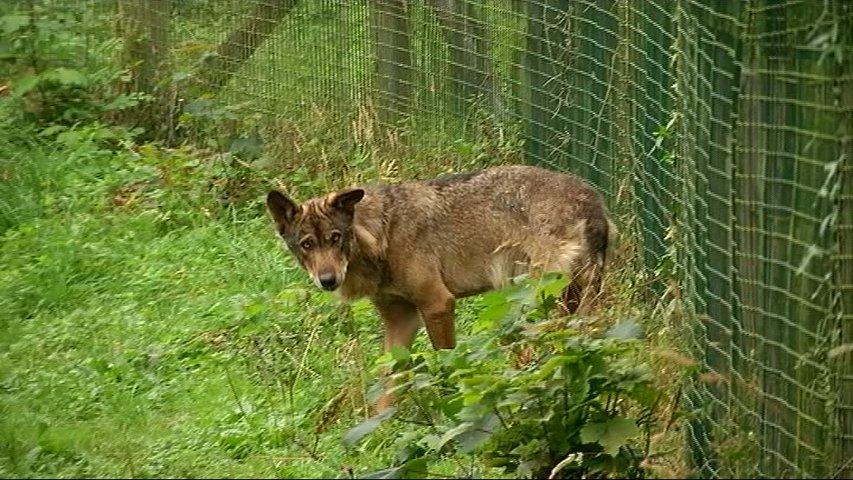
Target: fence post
<point x="843" y="361"/>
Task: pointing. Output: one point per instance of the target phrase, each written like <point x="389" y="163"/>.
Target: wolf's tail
<point x="601" y="235"/>
<point x="612" y="238"/>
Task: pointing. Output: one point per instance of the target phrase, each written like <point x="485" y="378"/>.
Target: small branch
<point x="236" y="396"/>
<point x="503" y="423"/>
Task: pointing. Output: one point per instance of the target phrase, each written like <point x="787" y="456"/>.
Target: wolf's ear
<point x="282" y="209"/>
<point x="347" y="199"/>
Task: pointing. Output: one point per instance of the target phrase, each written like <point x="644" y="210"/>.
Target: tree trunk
<point x="469" y="61"/>
<point x="144" y="27"/>
<point x="242" y="42"/>
<point x="392" y="39"/>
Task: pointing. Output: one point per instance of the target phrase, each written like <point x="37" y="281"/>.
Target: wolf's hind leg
<point x="584" y="287"/>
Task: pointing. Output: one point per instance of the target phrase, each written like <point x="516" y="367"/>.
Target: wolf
<point x="415" y="247"/>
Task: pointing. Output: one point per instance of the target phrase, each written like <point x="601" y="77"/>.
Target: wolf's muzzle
<point x="328" y="280"/>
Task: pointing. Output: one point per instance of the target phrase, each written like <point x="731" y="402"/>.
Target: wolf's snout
<point x="328" y="280"/>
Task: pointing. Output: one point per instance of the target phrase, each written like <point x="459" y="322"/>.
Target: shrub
<point x="56" y="70"/>
<point x="569" y="405"/>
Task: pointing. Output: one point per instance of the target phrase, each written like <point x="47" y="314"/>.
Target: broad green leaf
<point x="491" y="314"/>
<point x="592" y="432"/>
<point x="453" y="433"/>
<point x="452" y="405"/>
<point x="526" y="469"/>
<point x="199" y="106"/>
<point x="619" y="431"/>
<point x="253" y="309"/>
<point x="625" y="330"/>
<point x="67" y="76"/>
<point x="610" y="435"/>
<point x="479" y="433"/>
<point x="293" y="296"/>
<point x="464" y="148"/>
<point x="250" y="146"/>
<point x="14" y="22"/>
<point x="552" y="285"/>
<point x="121" y="102"/>
<point x="415" y="468"/>
<point x="524" y="295"/>
<point x="550" y="366"/>
<point x="393" y="472"/>
<point x="471" y="397"/>
<point x="52" y="130"/>
<point x="24" y="84"/>
<point x="430" y="441"/>
<point x="422" y="380"/>
<point x="355" y="434"/>
<point x="399" y="353"/>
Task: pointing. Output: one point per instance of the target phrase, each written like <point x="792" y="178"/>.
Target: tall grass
<point x="150" y="330"/>
<point x="152" y="326"/>
<point x="147" y="339"/>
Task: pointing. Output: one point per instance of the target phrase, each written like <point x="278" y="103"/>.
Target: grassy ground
<point x="151" y="325"/>
<point x="147" y="339"/>
<point x="150" y="329"/>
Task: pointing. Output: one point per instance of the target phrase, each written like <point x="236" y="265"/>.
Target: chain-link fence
<point x="722" y="132"/>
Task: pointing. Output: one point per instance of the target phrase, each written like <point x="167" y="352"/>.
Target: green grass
<point x="152" y="326"/>
<point x="149" y="329"/>
<point x="122" y="348"/>
<point x="150" y="323"/>
<point x="136" y="347"/>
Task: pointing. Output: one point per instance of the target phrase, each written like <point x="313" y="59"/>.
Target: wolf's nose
<point x="328" y="281"/>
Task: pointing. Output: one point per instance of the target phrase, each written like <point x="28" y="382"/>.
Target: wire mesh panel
<point x="705" y="65"/>
<point x="650" y="101"/>
<point x="721" y="130"/>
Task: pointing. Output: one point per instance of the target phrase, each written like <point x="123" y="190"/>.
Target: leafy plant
<point x="55" y="71"/>
<point x="568" y="405"/>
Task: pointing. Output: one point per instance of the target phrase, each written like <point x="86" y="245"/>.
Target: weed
<point x="525" y="392"/>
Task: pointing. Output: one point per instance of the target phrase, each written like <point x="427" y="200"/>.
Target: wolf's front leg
<point x="400" y="318"/>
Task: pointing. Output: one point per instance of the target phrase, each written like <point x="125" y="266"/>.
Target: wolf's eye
<point x="335" y="237"/>
<point x="306" y="244"/>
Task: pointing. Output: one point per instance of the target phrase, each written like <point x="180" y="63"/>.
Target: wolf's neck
<point x="371" y="239"/>
<point x="366" y="272"/>
<point x="368" y="259"/>
<point x="365" y="277"/>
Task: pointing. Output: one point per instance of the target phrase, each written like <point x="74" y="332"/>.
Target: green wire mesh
<point x="721" y="129"/>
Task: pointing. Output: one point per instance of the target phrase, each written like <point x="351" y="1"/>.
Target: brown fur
<point x="415" y="247"/>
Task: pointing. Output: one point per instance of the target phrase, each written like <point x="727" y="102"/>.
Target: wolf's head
<point x="319" y="233"/>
